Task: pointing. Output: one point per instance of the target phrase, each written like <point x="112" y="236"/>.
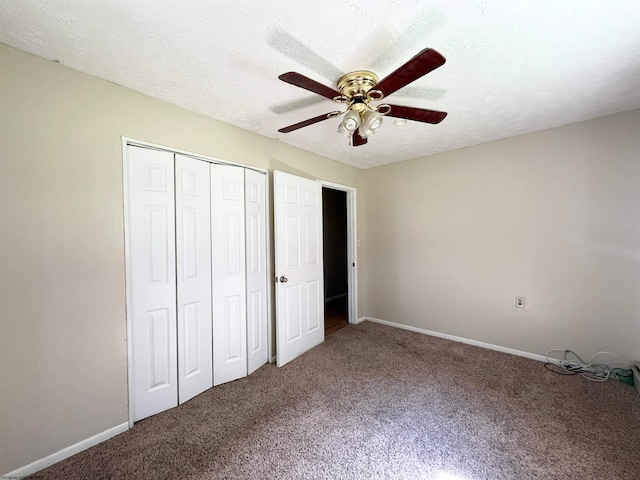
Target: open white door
<point x="299" y="287"/>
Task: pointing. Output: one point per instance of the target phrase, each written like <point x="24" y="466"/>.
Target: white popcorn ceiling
<point x="512" y="66"/>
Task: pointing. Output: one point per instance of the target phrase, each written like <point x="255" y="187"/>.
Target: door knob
<point x="283" y="279"/>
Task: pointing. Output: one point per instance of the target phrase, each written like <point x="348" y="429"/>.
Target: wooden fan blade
<point x="417" y="114"/>
<point x="357" y="139"/>
<point x="301" y="81"/>
<point x="424" y="62"/>
<point x="305" y="123"/>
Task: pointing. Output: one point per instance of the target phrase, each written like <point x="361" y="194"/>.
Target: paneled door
<point x="299" y="274"/>
<point x="256" y="216"/>
<point x="229" y="273"/>
<point x="193" y="262"/>
<point x="152" y="275"/>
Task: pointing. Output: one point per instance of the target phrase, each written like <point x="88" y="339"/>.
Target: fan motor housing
<point x="357" y="83"/>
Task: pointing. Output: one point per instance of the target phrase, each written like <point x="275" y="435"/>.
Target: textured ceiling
<point x="512" y="66"/>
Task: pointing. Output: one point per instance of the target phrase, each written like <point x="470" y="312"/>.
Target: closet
<point x="196" y="275"/>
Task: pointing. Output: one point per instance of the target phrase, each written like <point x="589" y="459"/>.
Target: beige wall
<point x="553" y="216"/>
<point x="63" y="350"/>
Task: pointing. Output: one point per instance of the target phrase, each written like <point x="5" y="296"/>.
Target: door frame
<point x="126" y="142"/>
<point x="352" y="245"/>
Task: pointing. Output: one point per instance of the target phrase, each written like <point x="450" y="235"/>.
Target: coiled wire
<point x="596" y="372"/>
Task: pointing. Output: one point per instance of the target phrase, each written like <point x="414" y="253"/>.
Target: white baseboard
<point x="361" y="319"/>
<point x="66" y="452"/>
<point x="273" y="359"/>
<point x="498" y="348"/>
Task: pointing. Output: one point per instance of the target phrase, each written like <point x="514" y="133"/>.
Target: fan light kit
<point x="358" y="89"/>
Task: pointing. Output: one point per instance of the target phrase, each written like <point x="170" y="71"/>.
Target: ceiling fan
<point x="358" y="89"/>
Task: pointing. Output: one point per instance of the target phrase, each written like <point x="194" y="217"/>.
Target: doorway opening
<point x="339" y="261"/>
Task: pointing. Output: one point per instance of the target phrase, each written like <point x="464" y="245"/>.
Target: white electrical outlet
<point x="519" y="302"/>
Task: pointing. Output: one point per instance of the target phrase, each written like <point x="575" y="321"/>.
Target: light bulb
<point x="350" y="124"/>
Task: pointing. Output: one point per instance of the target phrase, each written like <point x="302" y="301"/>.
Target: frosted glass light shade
<point x="350" y="123"/>
<point x="370" y="123"/>
<point x="372" y="120"/>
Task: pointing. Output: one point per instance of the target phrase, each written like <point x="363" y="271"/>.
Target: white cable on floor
<point x="596" y="372"/>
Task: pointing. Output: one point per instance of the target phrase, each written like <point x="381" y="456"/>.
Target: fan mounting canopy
<point x="357" y="83"/>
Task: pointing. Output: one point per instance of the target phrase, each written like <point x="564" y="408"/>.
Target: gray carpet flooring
<point x="378" y="402"/>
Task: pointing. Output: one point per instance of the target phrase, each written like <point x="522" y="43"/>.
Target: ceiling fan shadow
<point x="292" y="105"/>
<point x="415" y="33"/>
<point x="252" y="68"/>
<point x="299" y="52"/>
<point x="421" y="93"/>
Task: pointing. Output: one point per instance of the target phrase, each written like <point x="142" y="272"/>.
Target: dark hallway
<point x="336" y="284"/>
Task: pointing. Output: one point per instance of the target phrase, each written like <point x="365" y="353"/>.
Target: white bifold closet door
<point x="197" y="274"/>
<point x="193" y="256"/>
<point x="239" y="252"/>
<point x="256" y="217"/>
<point x="229" y="275"/>
<point x="152" y="274"/>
